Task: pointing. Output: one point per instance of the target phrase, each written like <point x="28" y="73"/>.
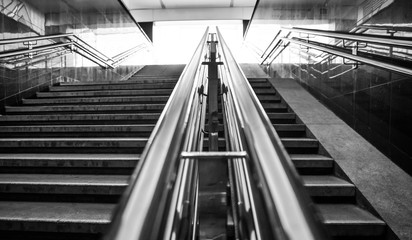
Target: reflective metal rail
<point x="376" y="63"/>
<point x="353" y="38"/>
<point x="279" y="206"/>
<point x="67" y="41"/>
<point x="377" y="39"/>
<point x="156" y="203"/>
<point x="162" y="200"/>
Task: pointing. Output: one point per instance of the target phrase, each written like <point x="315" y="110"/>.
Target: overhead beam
<point x="183" y="14"/>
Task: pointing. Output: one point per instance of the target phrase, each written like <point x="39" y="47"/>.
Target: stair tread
<point x="86" y="139"/>
<point x="130" y="85"/>
<point x="325" y="180"/>
<point x="300" y="139"/>
<point x="310" y="156"/>
<point x="348" y="220"/>
<point x="72" y="157"/>
<point x="123" y="116"/>
<point x="300" y="143"/>
<point x="114" y="99"/>
<point x="58" y="160"/>
<point x="281" y="115"/>
<point x="65" y="179"/>
<point x="311" y="161"/>
<point x="96" y="93"/>
<point x="77" y="128"/>
<point x="160" y="80"/>
<point x="290" y="127"/>
<point x="347" y="214"/>
<point x="328" y="186"/>
<point x="87" y="143"/>
<point x="84" y="107"/>
<point x="274" y="105"/>
<point x="58" y="212"/>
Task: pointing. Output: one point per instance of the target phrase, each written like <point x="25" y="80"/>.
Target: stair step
<point x="72" y="160"/>
<point x="130" y="86"/>
<point x="275" y="98"/>
<point x="55" y="217"/>
<point x="132" y="80"/>
<point x="63" y="184"/>
<point x="153" y="79"/>
<point x="80" y="117"/>
<point x="77" y="128"/>
<point x="260" y="84"/>
<point x="281" y="116"/>
<point x="85" y="108"/>
<point x="290" y="130"/>
<point x="91" y="100"/>
<point x="105" y="93"/>
<point x="300" y="142"/>
<point x="73" y="142"/>
<point x="328" y="186"/>
<point x="269" y="106"/>
<point x="257" y="80"/>
<point x="290" y="127"/>
<point x="264" y="91"/>
<point x="347" y="220"/>
<point x="311" y="161"/>
<point x="79" y="145"/>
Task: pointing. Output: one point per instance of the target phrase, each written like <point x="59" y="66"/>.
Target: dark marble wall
<point x="105" y="26"/>
<point x="375" y="102"/>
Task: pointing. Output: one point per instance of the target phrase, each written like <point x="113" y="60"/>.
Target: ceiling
<point x="47" y="6"/>
<point x="189" y="10"/>
<point x="173" y="4"/>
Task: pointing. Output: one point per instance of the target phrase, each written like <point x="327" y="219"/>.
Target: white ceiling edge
<point x="176" y="4"/>
<point x="189" y="14"/>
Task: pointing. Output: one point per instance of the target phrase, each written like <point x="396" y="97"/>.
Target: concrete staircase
<point x="66" y="155"/>
<point x="345" y="213"/>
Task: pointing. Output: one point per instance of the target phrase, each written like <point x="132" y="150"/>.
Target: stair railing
<point x="63" y="43"/>
<point x="160" y="201"/>
<point x="354" y="54"/>
<point x="271" y="200"/>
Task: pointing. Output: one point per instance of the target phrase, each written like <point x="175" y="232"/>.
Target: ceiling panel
<point x="244" y="3"/>
<point x="80" y="5"/>
<point x="196" y="3"/>
<point x="142" y="4"/>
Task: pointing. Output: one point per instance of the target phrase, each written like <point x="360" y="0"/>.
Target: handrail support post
<point x="213" y="92"/>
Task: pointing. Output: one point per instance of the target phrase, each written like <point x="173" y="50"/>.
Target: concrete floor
<point x="387" y="187"/>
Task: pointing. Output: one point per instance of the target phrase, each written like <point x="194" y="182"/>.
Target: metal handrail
<point x="145" y="205"/>
<point x="67" y="36"/>
<point x="35" y="49"/>
<point x="375" y="39"/>
<point x="275" y="48"/>
<point x="119" y="58"/>
<point x="285" y="202"/>
<point x="393" y="27"/>
<point x="34" y="38"/>
<point x="270" y="44"/>
<point x="390" y="41"/>
<point x="74" y="43"/>
<point x="379" y="64"/>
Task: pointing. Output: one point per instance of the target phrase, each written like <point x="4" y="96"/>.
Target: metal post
<point x="213" y="95"/>
<point x="213" y="173"/>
